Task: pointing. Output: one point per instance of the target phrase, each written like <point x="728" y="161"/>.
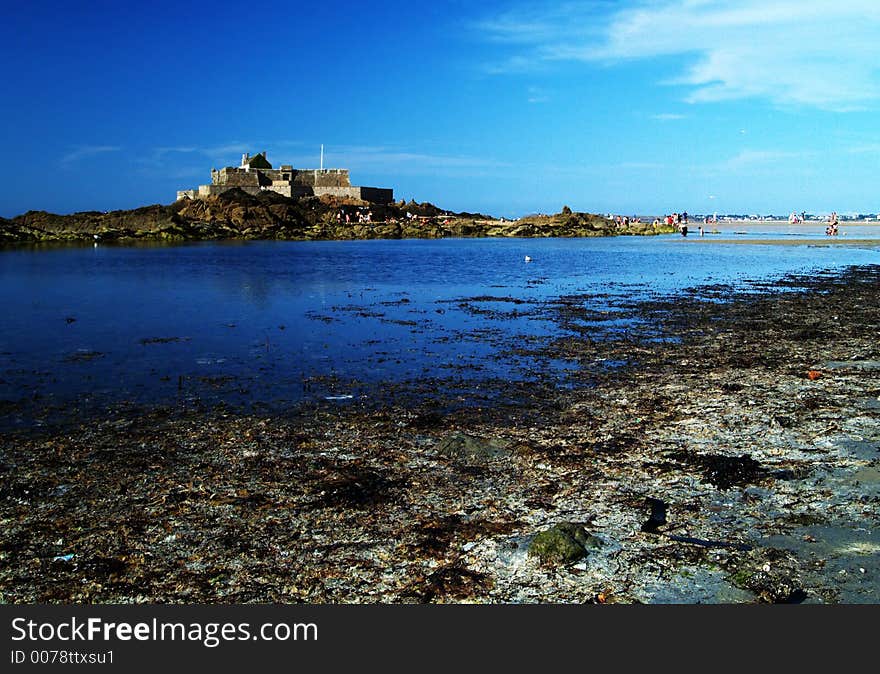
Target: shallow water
<point x="846" y="554"/>
<point x="783" y="230"/>
<point x="278" y="322"/>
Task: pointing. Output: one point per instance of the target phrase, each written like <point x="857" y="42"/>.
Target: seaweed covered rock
<point x="771" y="586"/>
<point x="563" y="543"/>
<point x="472" y="449"/>
<point x="236" y="214"/>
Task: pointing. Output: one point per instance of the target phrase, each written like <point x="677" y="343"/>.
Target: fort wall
<point x="237" y="178"/>
<point x="213" y="190"/>
<point x="377" y="195"/>
<point x="288" y="189"/>
<point x="322" y="178"/>
<point x="287" y="181"/>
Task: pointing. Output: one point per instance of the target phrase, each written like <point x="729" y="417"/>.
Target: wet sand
<point x="723" y="450"/>
<point x="830" y="241"/>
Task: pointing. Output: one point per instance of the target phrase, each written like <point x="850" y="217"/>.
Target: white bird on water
<point x="528" y="259"/>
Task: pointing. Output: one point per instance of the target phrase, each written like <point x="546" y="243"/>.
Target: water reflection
<point x="264" y="322"/>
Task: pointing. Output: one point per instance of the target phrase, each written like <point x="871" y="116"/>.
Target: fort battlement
<point x="255" y="175"/>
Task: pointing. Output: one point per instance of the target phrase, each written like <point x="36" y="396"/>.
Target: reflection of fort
<point x="256" y="175"/>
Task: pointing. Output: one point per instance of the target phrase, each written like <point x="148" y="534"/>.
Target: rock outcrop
<point x="238" y="215"/>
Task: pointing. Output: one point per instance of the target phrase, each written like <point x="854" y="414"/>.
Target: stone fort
<point x="256" y="175"/>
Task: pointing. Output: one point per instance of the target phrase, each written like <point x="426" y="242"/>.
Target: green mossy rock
<point x="563" y="543"/>
<point x="471" y="448"/>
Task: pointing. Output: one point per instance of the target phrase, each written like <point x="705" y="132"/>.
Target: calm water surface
<point x="270" y="323"/>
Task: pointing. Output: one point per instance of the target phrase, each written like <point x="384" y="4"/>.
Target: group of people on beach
<point x="680" y="220"/>
<point x="831" y="229"/>
<point x="625" y="221"/>
<point x="362" y="215"/>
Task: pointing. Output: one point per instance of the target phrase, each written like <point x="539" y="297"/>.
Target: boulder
<point x="472" y="449"/>
<point x="563" y="543"/>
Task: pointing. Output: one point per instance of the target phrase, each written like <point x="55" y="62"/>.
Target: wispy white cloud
<point x="745" y="161"/>
<point x="643" y="165"/>
<point x="536" y="31"/>
<point x="378" y="159"/>
<point x="536" y="95"/>
<point x="539" y="23"/>
<point x="84" y="151"/>
<point x="667" y="116"/>
<point x="190" y="160"/>
<point x="816" y="53"/>
<point x="865" y="148"/>
<point x="752" y="159"/>
<point x="224" y="150"/>
<point x="180" y="149"/>
<point x="399" y="161"/>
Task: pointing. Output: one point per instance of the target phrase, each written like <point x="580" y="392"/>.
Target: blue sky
<point x="506" y="107"/>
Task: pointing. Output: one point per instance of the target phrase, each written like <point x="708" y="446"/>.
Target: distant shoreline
<point x="830" y="241"/>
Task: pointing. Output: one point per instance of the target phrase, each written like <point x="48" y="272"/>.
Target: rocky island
<point x="257" y="201"/>
<point x="235" y="214"/>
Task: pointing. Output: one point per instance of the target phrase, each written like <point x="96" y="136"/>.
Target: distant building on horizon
<point x="256" y="175"/>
